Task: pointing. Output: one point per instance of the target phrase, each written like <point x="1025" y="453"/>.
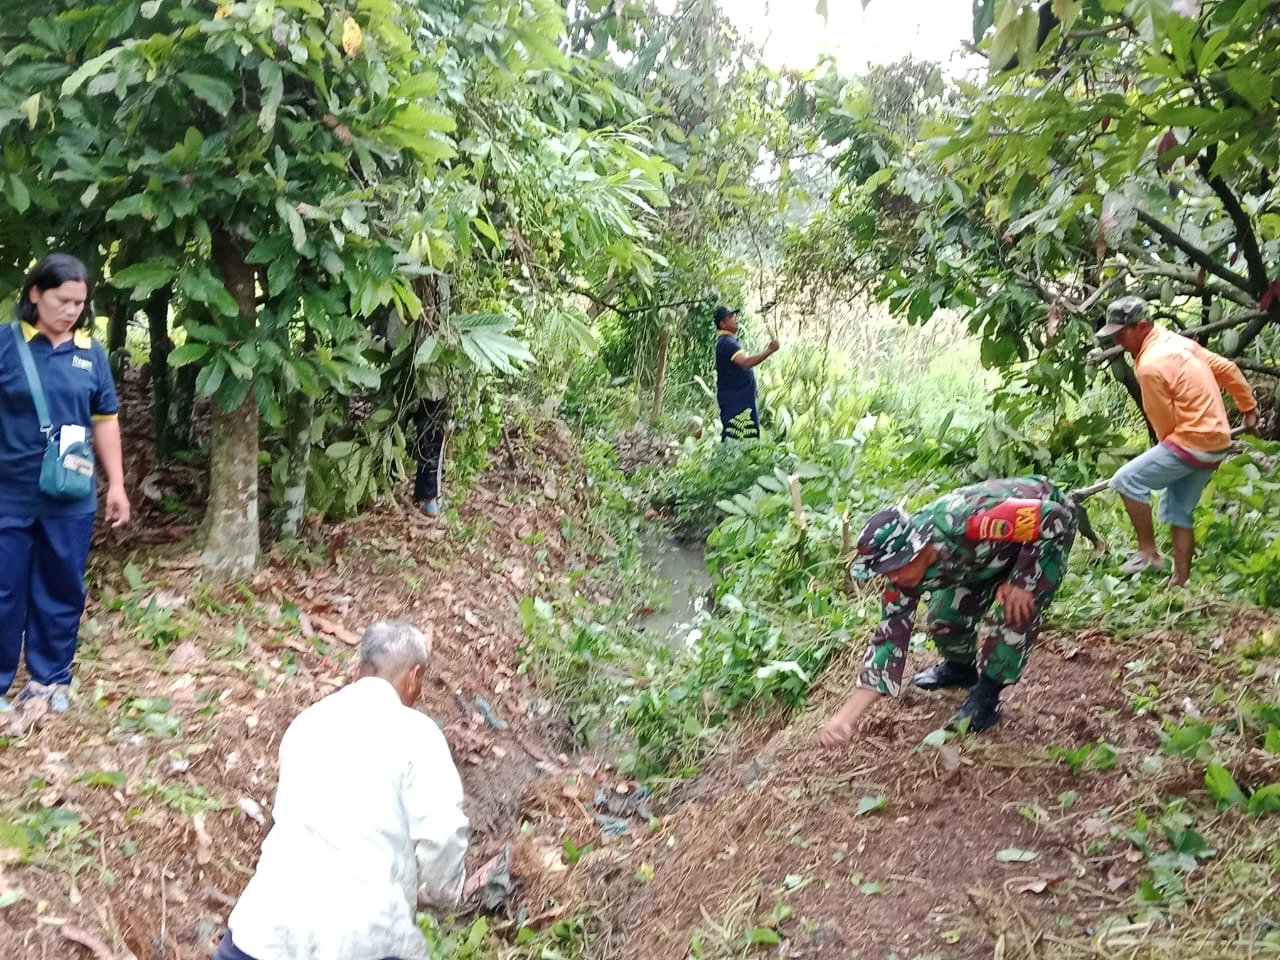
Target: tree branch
<point x="1149" y="267"/>
<point x="1245" y="237"/>
<point x="1239" y="319"/>
<point x="1258" y="368"/>
<point x="628" y="311"/>
<point x="1196" y="255"/>
<point x="1048" y="296"/>
<point x="582" y="28"/>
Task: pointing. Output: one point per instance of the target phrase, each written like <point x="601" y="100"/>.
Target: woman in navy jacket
<point x="44" y="542"/>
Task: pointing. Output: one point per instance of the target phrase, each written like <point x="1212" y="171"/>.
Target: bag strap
<point x="33" y="378"/>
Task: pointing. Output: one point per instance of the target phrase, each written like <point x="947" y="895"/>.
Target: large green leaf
<point x="214" y="91"/>
<point x="90" y="68"/>
<point x="142" y="279"/>
<point x="484" y="340"/>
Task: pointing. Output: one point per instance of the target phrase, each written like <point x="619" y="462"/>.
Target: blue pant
<point x="229" y="951"/>
<point x="42" y="594"/>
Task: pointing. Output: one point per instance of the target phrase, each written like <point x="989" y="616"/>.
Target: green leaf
<point x="340" y="450"/>
<point x="1014" y="855"/>
<point x="1223" y="787"/>
<point x="209" y="379"/>
<point x="483" y="339"/>
<point x="870" y="804"/>
<point x="289" y="213"/>
<point x="871" y="888"/>
<point x="1066" y="11"/>
<point x="1265" y="800"/>
<point x="90" y="68"/>
<point x="1271" y="743"/>
<point x="188" y="353"/>
<point x="1253" y="85"/>
<point x="1028" y="35"/>
<point x="115" y="779"/>
<point x="200" y="284"/>
<point x="936" y="738"/>
<point x="142" y="279"/>
<point x="30" y="108"/>
<point x="984" y="13"/>
<point x="1147" y="16"/>
<point x="486" y="228"/>
<point x="233" y="392"/>
<point x="764" y="936"/>
<point x="131" y="206"/>
<point x="214" y="91"/>
<point x="19" y="196"/>
<point x="1008" y="31"/>
<point x="133" y="577"/>
<point x="271" y="80"/>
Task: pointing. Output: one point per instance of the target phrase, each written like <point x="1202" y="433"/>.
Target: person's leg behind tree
<point x="430" y="475"/>
<point x="954" y="615"/>
<point x="1003" y="652"/>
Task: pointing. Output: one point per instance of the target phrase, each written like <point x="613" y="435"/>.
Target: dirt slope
<point x="132" y="823"/>
<point x="771" y="842"/>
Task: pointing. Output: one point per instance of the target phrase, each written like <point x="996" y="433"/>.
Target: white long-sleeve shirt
<point x="368" y="824"/>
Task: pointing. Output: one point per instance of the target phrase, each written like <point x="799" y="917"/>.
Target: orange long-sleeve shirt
<point x="1181" y="392"/>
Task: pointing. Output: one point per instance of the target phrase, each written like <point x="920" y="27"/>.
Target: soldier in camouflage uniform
<point x="1003" y="543"/>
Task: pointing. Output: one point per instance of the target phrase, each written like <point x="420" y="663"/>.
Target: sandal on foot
<point x="1140" y="563"/>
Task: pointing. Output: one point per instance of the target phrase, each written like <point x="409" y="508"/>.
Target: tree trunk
<point x="117" y="334"/>
<point x="157" y="310"/>
<point x="1121" y="370"/>
<point x="660" y="377"/>
<point x="231" y="540"/>
<point x="300" y="411"/>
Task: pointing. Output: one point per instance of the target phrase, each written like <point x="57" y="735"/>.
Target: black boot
<point x="981" y="709"/>
<point x="947" y="675"/>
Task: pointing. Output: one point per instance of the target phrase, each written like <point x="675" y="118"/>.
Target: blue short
<point x="1162" y="469"/>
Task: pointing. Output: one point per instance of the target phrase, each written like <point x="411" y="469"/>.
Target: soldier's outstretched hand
<point x="1019" y="605"/>
<point x="839" y="730"/>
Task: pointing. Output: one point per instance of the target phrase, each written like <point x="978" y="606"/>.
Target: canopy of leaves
<point x="1132" y="151"/>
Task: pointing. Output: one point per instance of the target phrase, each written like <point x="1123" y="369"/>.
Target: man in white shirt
<point x="368" y="821"/>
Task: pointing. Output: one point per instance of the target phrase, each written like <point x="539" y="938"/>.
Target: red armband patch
<point x="1015" y="521"/>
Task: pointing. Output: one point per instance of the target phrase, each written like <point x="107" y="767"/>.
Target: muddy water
<point x="679" y="572"/>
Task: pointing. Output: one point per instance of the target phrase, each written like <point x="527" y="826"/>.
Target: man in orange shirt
<point x="1182" y="385"/>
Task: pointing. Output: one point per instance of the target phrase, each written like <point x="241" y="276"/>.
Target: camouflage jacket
<point x="972" y="550"/>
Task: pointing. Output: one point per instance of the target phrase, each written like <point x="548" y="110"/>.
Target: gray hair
<point x="390" y="647"/>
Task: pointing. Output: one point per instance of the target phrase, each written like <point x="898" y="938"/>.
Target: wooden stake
<point x="796" y="507"/>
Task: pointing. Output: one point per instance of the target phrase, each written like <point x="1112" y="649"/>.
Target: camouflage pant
<point x="955" y="615"/>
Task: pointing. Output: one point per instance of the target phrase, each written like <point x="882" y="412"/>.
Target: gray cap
<point x="1125" y="312"/>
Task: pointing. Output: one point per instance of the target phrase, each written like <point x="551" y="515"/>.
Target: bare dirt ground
<point x="128" y="827"/>
<point x="985" y="847"/>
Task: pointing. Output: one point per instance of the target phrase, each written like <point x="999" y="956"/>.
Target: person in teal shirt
<point x="45" y="541"/>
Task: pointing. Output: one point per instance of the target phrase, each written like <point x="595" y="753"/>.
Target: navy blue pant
<point x="229" y="951"/>
<point x="729" y="409"/>
<point x="42" y="594"/>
